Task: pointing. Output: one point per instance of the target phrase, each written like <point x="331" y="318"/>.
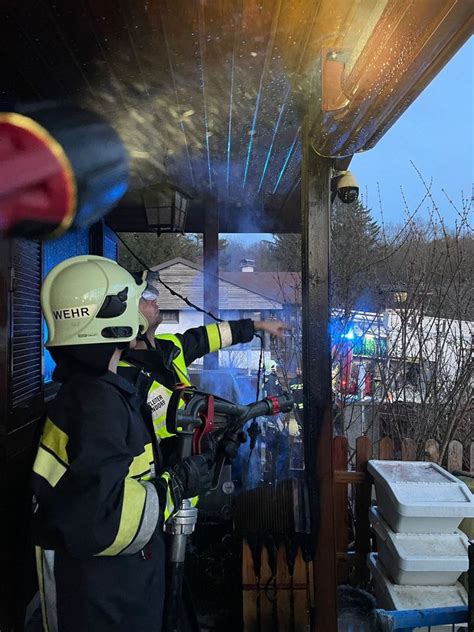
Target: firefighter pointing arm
<point x="173" y="353"/>
<point x="100" y="497"/>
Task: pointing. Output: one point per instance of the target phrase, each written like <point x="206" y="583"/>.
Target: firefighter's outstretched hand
<point x="275" y="328"/>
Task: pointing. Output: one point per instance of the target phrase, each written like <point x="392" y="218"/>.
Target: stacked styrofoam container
<point x="420" y="553"/>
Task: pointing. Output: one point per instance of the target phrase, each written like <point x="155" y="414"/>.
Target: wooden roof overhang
<point x="210" y="95"/>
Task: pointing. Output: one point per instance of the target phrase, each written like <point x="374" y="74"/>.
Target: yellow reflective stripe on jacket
<point x="51" y="462"/>
<point x="55" y="440"/>
<point x="213" y="337"/>
<point x="181" y="369"/>
<point x="47" y="466"/>
<point x="178" y="362"/>
<point x="142" y="464"/>
<point x="133" y="506"/>
<point x="170" y="508"/>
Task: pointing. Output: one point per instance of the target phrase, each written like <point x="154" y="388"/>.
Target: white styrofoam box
<point x="420" y="559"/>
<point x="420" y="497"/>
<point x="394" y="597"/>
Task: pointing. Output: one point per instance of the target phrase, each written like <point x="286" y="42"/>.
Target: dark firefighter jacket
<point x="296" y="387"/>
<point x="272" y="385"/>
<point x="96" y="518"/>
<point x="174" y="353"/>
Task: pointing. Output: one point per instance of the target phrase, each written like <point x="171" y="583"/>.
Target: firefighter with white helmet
<point x="276" y="431"/>
<point x="99" y="495"/>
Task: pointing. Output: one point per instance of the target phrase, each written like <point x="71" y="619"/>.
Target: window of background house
<point x="170" y="316"/>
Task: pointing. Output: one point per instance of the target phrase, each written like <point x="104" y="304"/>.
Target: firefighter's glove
<point x="231" y="443"/>
<point x="190" y="477"/>
<point x="194" y="474"/>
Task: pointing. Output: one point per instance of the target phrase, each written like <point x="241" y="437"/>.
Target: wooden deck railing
<point x="282" y="601"/>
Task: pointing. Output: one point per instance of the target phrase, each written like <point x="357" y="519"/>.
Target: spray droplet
<point x="187" y="114"/>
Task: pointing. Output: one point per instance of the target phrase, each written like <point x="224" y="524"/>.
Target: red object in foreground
<point x="207" y="418"/>
<point x="275" y="402"/>
<point x="37" y="185"/>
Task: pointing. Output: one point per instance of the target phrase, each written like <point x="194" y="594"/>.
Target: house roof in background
<point x="284" y="287"/>
<point x="268" y="293"/>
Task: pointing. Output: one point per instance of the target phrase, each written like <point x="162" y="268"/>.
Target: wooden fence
<point x="280" y="603"/>
<point x="283" y="602"/>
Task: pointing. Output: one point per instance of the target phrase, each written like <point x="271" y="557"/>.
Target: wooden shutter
<point x="26" y="325"/>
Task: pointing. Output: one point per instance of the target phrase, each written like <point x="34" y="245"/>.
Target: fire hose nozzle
<point x="183" y="521"/>
<point x="60" y="166"/>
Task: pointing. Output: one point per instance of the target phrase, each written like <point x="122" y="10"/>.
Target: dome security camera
<point x="347" y="187"/>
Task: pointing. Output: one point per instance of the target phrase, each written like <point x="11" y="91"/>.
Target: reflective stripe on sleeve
<point x="169" y="509"/>
<point x="213" y="337"/>
<point x="48" y="466"/>
<point x="133" y="508"/>
<point x="149" y="520"/>
<point x="55" y="440"/>
<point x="141" y="464"/>
<point x="226" y="334"/>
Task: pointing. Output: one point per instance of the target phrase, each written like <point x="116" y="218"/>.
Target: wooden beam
<point x="341" y="477"/>
<point x="211" y="271"/>
<point x="318" y="437"/>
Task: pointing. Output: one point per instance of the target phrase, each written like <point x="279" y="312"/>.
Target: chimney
<point x="247" y="265"/>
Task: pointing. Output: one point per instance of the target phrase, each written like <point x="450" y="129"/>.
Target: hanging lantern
<point x="166" y="208"/>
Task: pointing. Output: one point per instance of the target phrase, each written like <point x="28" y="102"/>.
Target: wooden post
<point x="432" y="451"/>
<point x="317" y="426"/>
<point x="362" y="504"/>
<point x="455" y="456"/>
<point x="408" y="449"/>
<point x="249" y="591"/>
<point x="386" y="451"/>
<point x="283" y="592"/>
<point x="211" y="272"/>
<point x="267" y="596"/>
<point x="471" y="457"/>
<point x="341" y="508"/>
<point x="302" y="583"/>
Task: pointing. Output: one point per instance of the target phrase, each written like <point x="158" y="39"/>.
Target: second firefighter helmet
<point x="89" y="300"/>
<point x="271" y="366"/>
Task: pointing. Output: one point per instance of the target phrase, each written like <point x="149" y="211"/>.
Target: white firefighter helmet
<point x="270" y="366"/>
<point x="89" y="300"/>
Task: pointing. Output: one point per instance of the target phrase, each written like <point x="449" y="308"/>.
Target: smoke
<point x="212" y="126"/>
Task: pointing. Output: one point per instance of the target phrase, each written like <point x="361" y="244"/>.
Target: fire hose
<point x="191" y="415"/>
<point x="60" y="167"/>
